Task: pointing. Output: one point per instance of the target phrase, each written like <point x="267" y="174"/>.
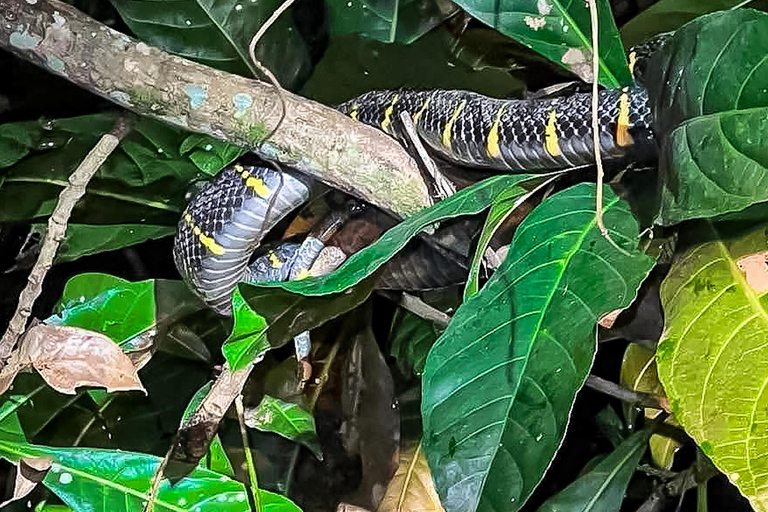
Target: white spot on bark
<point x="534" y="22"/>
<point x="121" y="97"/>
<point x="578" y="62"/>
<point x="31" y="2"/>
<point x="143" y="49"/>
<point x="58" y="19"/>
<point x="544" y="7"/>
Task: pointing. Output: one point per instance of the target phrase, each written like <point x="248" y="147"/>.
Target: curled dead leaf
<point x="755" y="270"/>
<point x="70" y="357"/>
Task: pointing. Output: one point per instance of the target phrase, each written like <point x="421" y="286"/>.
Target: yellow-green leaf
<point x="713" y="358"/>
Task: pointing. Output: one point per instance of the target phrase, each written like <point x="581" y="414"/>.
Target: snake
<point x="224" y="224"/>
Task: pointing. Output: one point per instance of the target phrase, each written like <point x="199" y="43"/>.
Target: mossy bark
<point x="312" y="138"/>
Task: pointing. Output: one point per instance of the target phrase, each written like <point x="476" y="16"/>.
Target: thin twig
<point x="420" y="308"/>
<point x="157" y="481"/>
<point x="252" y="483"/>
<point x="625" y="394"/>
<point x="57" y="228"/>
<point x="595" y="120"/>
<point x="443" y="186"/>
<point x="264" y="70"/>
<point x="322" y="379"/>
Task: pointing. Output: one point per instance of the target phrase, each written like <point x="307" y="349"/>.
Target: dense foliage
<point x="473" y="399"/>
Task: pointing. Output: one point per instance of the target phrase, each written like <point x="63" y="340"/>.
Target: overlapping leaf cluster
<point x="499" y="382"/>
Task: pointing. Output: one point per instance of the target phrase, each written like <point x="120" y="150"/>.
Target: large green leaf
<point x="603" y="488"/>
<point x="359" y="266"/>
<point x="144" y="180"/>
<point x="410" y="339"/>
<point x="499" y="383"/>
<point x="559" y="30"/>
<point x="85" y="239"/>
<point x="709" y="93"/>
<point x="668" y="15"/>
<point x="217" y="33"/>
<point x="388" y="21"/>
<point x="124" y="310"/>
<point x="713" y="358"/>
<point x="91" y="480"/>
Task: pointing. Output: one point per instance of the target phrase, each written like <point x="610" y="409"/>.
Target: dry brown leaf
<point x="608" y="319"/>
<point x="29" y="473"/>
<point x="70" y="357"/>
<point x="411" y="489"/>
<point x="755" y="269"/>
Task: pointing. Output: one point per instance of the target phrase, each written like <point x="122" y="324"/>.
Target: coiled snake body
<point x="224" y="224"/>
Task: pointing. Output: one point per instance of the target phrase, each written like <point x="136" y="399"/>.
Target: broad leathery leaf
<point x="709" y="95"/>
<point x="500" y="209"/>
<point x="86" y="239"/>
<point x="560" y="30"/>
<point x="500" y="382"/>
<point x="469" y="201"/>
<point x="638" y="372"/>
<point x="15" y="143"/>
<point x="713" y="360"/>
<point x="411" y="489"/>
<point x="286" y="419"/>
<point x="389" y="21"/>
<point x="668" y="15"/>
<point x="267" y="318"/>
<point x="603" y="488"/>
<point x="217" y="33"/>
<point x="144" y="180"/>
<point x="93" y="480"/>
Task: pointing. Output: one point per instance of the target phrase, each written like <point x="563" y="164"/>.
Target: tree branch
<point x="57" y="228"/>
<point x="314" y="139"/>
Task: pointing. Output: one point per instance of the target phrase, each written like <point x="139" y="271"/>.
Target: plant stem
<point x="625" y="394"/>
<point x="57" y="228"/>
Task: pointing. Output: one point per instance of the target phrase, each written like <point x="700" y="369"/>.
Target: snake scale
<point x="223" y="225"/>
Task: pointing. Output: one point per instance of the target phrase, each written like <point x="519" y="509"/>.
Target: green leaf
<point x="410" y="339"/>
<point x="268" y="318"/>
<point x="144" y="180"/>
<point x="120" y="309"/>
<point x="209" y="155"/>
<point x="499" y="383"/>
<point x="286" y="419"/>
<point x="667" y="16"/>
<point x="15" y="143"/>
<point x="217" y="33"/>
<point x="710" y="100"/>
<point x="93" y="480"/>
<point x="560" y="31"/>
<point x="362" y="264"/>
<point x="502" y="206"/>
<point x="603" y="488"/>
<point x="389" y="21"/>
<point x="713" y="360"/>
<point x="86" y="239"/>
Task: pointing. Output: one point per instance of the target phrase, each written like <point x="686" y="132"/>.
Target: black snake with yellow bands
<point x="223" y="225"/>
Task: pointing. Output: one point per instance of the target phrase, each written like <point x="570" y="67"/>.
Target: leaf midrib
<point x="544" y="309"/>
<point x="246" y="59"/>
